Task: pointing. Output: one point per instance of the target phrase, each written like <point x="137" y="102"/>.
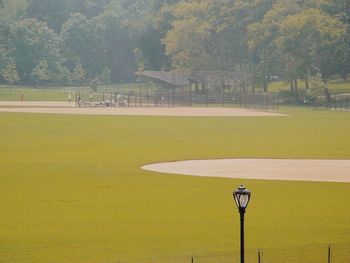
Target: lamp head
<point x="241" y="197"/>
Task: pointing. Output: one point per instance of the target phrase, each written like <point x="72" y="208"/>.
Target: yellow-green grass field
<point x="71" y="189"/>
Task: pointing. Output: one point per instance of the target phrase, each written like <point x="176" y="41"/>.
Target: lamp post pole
<point x="241" y="197"/>
<point x="241" y="213"/>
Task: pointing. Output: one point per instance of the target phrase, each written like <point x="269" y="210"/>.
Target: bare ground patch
<point x="264" y="169"/>
<point x="60" y="108"/>
<point x="24" y="104"/>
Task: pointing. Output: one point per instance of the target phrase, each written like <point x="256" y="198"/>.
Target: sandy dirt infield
<point x="36" y="104"/>
<point x="178" y="111"/>
<point x="264" y="169"/>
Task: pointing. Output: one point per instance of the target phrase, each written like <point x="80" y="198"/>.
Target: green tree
<point x="83" y="43"/>
<point x="64" y="77"/>
<point x="212" y="34"/>
<point x="77" y="44"/>
<point x="308" y="37"/>
<point x="340" y="63"/>
<point x="31" y="42"/>
<point x="9" y="74"/>
<point x="12" y="9"/>
<point x="40" y="73"/>
<point x="94" y="83"/>
<point x="105" y="76"/>
<point x="296" y="40"/>
<point x="140" y="60"/>
<point x="117" y="45"/>
<point x="266" y="57"/>
<point x="78" y="75"/>
<point x="52" y="12"/>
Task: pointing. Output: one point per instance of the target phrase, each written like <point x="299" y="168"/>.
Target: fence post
<point x="207" y="96"/>
<point x="329" y="254"/>
<point x="259" y="256"/>
<point x="223" y="97"/>
<point x="155" y="98"/>
<point x="341" y="103"/>
<point x="192" y="259"/>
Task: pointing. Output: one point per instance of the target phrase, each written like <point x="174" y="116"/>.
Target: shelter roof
<point x="171" y="78"/>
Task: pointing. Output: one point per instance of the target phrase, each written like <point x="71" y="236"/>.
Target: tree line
<point x="70" y="42"/>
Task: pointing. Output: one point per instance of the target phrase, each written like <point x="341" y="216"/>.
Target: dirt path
<point x="265" y="169"/>
<point x="178" y="111"/>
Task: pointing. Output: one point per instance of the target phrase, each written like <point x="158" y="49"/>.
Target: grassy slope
<point x="61" y="94"/>
<point x="32" y="94"/>
<point x="334" y="87"/>
<point x="71" y="189"/>
<point x="58" y="93"/>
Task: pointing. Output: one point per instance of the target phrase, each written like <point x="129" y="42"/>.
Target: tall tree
<point x="339" y="9"/>
<point x="9" y="74"/>
<point x="117" y="45"/>
<point x="53" y="12"/>
<point x="31" y="42"/>
<point x="212" y="34"/>
<point x="78" y="75"/>
<point x="266" y="56"/>
<point x="82" y="44"/>
<point x="40" y="73"/>
<point x="309" y="37"/>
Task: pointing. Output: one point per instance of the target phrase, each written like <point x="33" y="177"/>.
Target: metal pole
<point x="223" y="95"/>
<point x="259" y="256"/>
<point x="341" y="103"/>
<point x="140" y="89"/>
<point x="207" y="96"/>
<point x="241" y="212"/>
<point x="329" y="254"/>
<point x="240" y="95"/>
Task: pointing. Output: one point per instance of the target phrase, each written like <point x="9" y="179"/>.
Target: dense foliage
<point x="76" y="42"/>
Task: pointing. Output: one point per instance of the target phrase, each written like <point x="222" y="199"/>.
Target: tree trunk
<point x="291" y="87"/>
<point x="265" y="87"/>
<point x="296" y="97"/>
<point x="306" y="82"/>
<point x="344" y="74"/>
<point x="242" y="77"/>
<point x="327" y="95"/>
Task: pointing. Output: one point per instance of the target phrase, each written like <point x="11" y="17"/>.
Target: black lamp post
<point x="242" y="197"/>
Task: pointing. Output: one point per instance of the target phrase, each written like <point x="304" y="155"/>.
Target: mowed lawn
<point x="71" y="189"/>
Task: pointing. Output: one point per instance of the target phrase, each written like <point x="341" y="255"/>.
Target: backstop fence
<point x="178" y="98"/>
<point x="339" y="102"/>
